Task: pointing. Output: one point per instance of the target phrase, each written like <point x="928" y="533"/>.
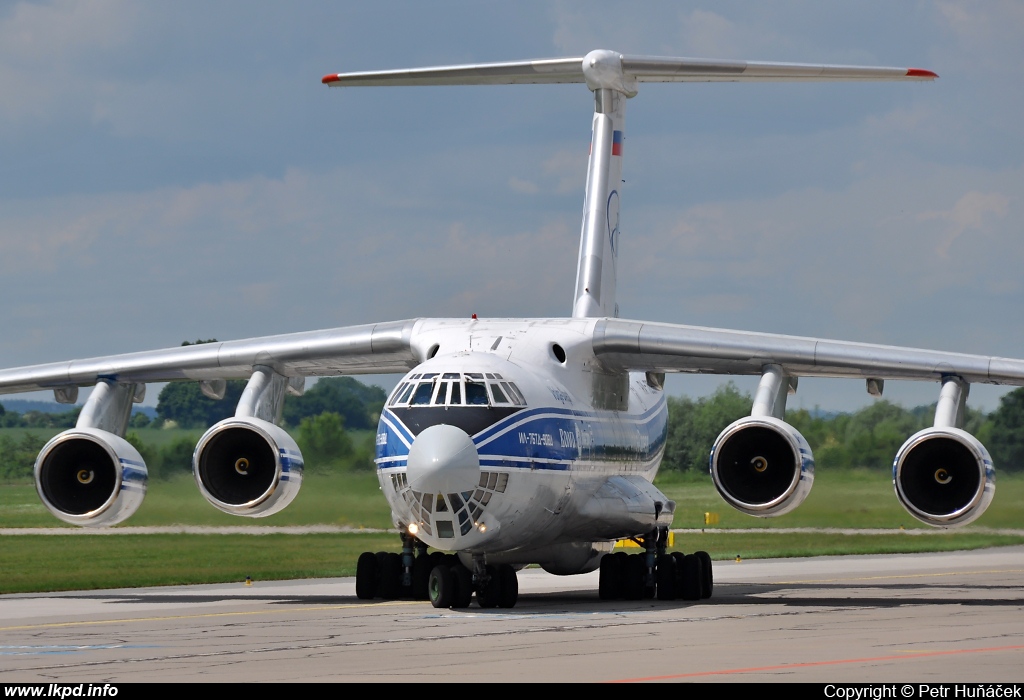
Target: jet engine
<point x="762" y="466"/>
<point x="247" y="466"/>
<point x="944" y="476"/>
<point x="87" y="476"/>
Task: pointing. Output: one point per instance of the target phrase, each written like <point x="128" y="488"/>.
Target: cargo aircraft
<point x="511" y="442"/>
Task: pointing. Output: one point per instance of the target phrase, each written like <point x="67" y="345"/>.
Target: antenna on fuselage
<point x="613" y="78"/>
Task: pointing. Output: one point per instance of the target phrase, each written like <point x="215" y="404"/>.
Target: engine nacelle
<point x="247" y="466"/>
<point x="762" y="466"/>
<point x="944" y="477"/>
<point x="87" y="476"/>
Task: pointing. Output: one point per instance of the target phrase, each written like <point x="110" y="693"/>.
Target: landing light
<point x="481" y="527"/>
<point x="413" y="528"/>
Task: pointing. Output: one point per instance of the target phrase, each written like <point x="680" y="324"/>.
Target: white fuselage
<point x="550" y="429"/>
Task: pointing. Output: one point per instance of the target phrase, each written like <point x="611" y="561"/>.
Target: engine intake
<point x="762" y="466"/>
<point x="944" y="477"/>
<point x="87" y="476"/>
<point x="247" y="466"/>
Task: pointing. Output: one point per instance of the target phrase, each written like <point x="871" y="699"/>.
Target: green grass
<point x="78" y="562"/>
<point x="155" y="437"/>
<point x="722" y="544"/>
<point x="351" y="498"/>
<point x="856" y="498"/>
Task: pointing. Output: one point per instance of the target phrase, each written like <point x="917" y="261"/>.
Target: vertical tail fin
<point x="599" y="249"/>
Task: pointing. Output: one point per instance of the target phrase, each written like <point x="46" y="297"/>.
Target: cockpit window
<point x="404" y="396"/>
<point x="442" y="393"/>
<point x="457" y="389"/>
<point x="499" y="396"/>
<point x="513" y="393"/>
<point x="476" y="394"/>
<point x="422" y="395"/>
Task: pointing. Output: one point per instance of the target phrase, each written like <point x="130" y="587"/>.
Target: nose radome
<point x="443" y="459"/>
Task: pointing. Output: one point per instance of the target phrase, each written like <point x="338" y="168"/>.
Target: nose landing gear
<point x="440" y="578"/>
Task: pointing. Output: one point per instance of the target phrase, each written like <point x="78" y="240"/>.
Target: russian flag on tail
<point x="616" y="143"/>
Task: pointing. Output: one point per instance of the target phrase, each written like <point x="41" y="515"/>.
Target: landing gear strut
<point x="440" y="578"/>
<point x="656" y="572"/>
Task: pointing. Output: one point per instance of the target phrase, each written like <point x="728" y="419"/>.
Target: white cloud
<point x="968" y="214"/>
<point x="523" y="186"/>
<point x="979" y="23"/>
<point x="48" y="51"/>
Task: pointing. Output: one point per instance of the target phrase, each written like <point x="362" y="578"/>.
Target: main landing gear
<point x="440" y="578"/>
<point x="655" y="573"/>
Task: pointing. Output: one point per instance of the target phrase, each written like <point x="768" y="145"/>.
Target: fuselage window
<point x="476" y="394"/>
<point x="442" y="507"/>
<point x="456" y="394"/>
<point x="422" y="395"/>
<point x="450" y="375"/>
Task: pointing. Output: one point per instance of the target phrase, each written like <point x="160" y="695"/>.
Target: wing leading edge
<point x="371" y="349"/>
<point x="662" y="347"/>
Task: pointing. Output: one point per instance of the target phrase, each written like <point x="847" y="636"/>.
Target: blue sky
<point x="171" y="171"/>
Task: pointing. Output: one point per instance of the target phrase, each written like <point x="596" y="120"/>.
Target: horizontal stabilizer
<point x="554" y="70"/>
<point x="644" y="69"/>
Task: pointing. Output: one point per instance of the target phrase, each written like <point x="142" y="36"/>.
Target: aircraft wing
<point x="371" y="349"/>
<point x="661" y="347"/>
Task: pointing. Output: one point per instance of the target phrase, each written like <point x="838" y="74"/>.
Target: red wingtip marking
<point x="921" y="73"/>
<point x="328" y="79"/>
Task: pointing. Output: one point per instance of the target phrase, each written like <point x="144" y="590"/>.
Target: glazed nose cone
<point x="443" y="459"/>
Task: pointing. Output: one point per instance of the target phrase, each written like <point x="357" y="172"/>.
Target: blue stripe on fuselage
<point x="550" y="438"/>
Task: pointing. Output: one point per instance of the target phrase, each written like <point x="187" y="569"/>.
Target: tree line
<point x="867" y="438"/>
<point x="321" y="421"/>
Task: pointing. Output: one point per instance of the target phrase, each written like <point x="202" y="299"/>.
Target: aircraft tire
<point x="366" y="576"/>
<point x="666" y="577"/>
<point x="679" y="556"/>
<point x="441" y="586"/>
<point x="421" y="567"/>
<point x="609" y="585"/>
<point x="463" y="595"/>
<point x="489" y="595"/>
<point x="692" y="578"/>
<point x="509" y="592"/>
<point x="634" y="577"/>
<point x="391" y="576"/>
<point x="708" y="579"/>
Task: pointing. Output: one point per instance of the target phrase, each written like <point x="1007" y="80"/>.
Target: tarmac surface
<point x="956" y="617"/>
